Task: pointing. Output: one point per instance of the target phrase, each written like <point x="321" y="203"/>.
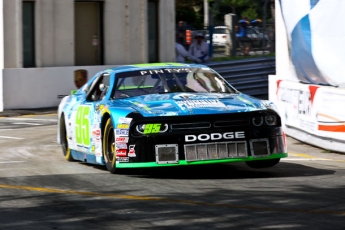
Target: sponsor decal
<point x="131" y="152"/>
<point x="96" y="132"/>
<point x="187" y="96"/>
<point x="121" y="139"/>
<point x="96" y="118"/>
<point x="169" y="114"/>
<point x="214" y="136"/>
<point x="98" y="153"/>
<point x="121" y="152"/>
<point x="145" y="107"/>
<point x="124" y="120"/>
<point x="122" y="126"/>
<point x="207" y="103"/>
<point x="121" y="145"/>
<point x="122" y="159"/>
<point x="93" y="148"/>
<point x="121" y="132"/>
<point x="157" y="71"/>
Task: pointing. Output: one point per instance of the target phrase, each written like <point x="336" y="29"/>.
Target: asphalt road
<point x="40" y="190"/>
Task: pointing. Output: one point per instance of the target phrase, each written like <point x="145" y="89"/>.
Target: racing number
<point x="82" y="125"/>
<point x="152" y="128"/>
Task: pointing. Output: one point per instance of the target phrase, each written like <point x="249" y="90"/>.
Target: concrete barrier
<point x="40" y="87"/>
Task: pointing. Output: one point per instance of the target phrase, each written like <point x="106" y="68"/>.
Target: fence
<point x="262" y="40"/>
<point x="250" y="76"/>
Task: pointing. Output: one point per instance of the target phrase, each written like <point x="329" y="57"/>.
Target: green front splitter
<point x="185" y="163"/>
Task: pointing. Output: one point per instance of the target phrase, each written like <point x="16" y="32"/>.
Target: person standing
<point x="181" y="53"/>
<point x="199" y="49"/>
<point x="242" y="36"/>
<point x="181" y="33"/>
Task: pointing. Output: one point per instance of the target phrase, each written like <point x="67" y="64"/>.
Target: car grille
<point x="259" y="147"/>
<point x="206" y="125"/>
<point x="166" y="154"/>
<point x="216" y="150"/>
<point x="231" y="123"/>
<point x="194" y="125"/>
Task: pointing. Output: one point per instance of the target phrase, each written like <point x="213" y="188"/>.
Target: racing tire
<point x="263" y="163"/>
<point x="109" y="147"/>
<point x="64" y="140"/>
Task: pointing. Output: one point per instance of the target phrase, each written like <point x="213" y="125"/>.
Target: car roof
<point x="150" y="66"/>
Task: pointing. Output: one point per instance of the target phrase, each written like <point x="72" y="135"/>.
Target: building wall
<point x="166" y="30"/>
<point x="128" y="42"/>
<point x="12" y="34"/>
<point x="125" y="32"/>
<point x="125" y="42"/>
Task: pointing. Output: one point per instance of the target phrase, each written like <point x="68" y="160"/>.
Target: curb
<point x="19" y="112"/>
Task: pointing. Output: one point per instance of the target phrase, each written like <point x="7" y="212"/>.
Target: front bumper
<point x="201" y="162"/>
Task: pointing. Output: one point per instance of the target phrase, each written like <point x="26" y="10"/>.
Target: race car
<point x="164" y="115"/>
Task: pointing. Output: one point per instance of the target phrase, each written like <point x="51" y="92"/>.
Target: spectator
<point x="182" y="53"/>
<point x="244" y="41"/>
<point x="199" y="49"/>
<point x="181" y="33"/>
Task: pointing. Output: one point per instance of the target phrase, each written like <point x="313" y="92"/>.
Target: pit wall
<point x="311" y="112"/>
<point x="40" y="87"/>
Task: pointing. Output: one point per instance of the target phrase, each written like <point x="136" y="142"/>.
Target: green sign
<point x="82" y="126"/>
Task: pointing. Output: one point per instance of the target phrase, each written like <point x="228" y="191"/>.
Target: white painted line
<point x="5" y="129"/>
<point x="7" y="137"/>
<point x="306" y="159"/>
<point x="28" y="119"/>
<point x="10" y="162"/>
<point x="24" y="123"/>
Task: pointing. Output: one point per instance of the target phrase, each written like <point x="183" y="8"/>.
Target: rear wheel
<point x="263" y="163"/>
<point x="64" y="140"/>
<point x="109" y="147"/>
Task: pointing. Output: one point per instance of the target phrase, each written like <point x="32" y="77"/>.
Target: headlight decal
<point x="271" y="120"/>
<point x="257" y="121"/>
<point x="268" y="120"/>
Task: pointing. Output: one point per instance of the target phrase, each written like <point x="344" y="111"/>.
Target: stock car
<point x="167" y="114"/>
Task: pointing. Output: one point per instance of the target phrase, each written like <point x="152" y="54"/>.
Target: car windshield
<point x="170" y="80"/>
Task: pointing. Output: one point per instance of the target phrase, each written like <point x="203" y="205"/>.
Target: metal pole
<point x="264" y="27"/>
<point x="206" y="13"/>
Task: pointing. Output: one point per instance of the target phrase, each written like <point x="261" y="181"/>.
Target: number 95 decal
<point x="152" y="128"/>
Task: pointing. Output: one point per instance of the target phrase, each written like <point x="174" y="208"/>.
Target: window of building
<point x="28" y="16"/>
<point x="153" y="30"/>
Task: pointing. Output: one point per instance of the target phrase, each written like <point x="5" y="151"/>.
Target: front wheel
<point x="263" y="163"/>
<point x="109" y="147"/>
<point x="64" y="140"/>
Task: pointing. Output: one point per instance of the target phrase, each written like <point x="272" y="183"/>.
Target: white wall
<point x="39" y="87"/>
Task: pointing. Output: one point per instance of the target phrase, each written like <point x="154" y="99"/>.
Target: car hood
<point x="179" y="104"/>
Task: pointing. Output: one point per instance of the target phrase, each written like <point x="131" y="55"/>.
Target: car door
<point x="87" y="117"/>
